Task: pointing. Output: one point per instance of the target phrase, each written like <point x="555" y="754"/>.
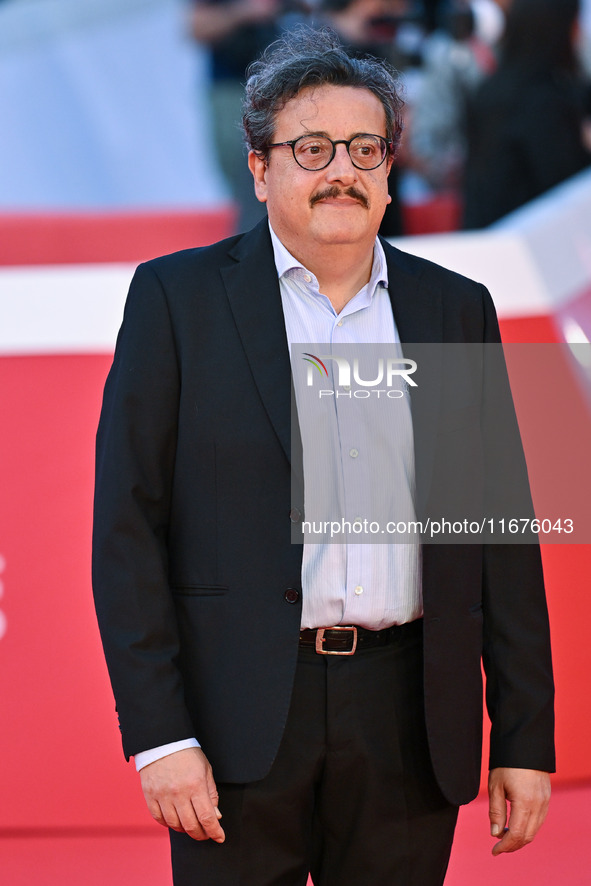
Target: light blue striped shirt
<point x="373" y="585"/>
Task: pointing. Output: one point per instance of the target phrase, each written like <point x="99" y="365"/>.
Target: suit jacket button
<point x="292" y="595"/>
<point x="295" y="515"/>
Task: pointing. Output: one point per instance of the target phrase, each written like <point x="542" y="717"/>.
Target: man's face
<point x="337" y="205"/>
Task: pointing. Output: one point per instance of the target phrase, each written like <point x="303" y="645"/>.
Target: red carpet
<point x="560" y="855"/>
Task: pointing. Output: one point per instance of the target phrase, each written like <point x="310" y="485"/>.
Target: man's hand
<point x="528" y="792"/>
<point x="181" y="794"/>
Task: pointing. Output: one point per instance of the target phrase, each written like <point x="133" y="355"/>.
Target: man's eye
<point x="312" y="148"/>
<point x="365" y="149"/>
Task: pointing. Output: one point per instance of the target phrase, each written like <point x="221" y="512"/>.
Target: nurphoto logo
<point x="388" y="371"/>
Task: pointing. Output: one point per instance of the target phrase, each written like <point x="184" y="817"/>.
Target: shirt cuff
<point x="164" y="750"/>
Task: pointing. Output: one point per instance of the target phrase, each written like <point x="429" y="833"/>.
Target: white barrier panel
<point x="67" y="309"/>
<point x="535" y="263"/>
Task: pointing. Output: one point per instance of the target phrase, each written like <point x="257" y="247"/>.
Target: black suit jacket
<point x="193" y="567"/>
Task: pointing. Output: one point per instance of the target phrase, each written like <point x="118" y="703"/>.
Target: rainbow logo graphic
<point x="316" y="362"/>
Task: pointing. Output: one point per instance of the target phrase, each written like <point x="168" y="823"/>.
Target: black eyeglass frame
<point x="387" y="142"/>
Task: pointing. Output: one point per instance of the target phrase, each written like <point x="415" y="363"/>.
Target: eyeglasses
<point x="314" y="152"/>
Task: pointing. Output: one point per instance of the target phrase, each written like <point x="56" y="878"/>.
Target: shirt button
<point x="358" y="590"/>
<point x="340" y="323"/>
<point x="292" y="595"/>
<point x="353" y="453"/>
<point x="307" y="278"/>
<point x="295" y="515"/>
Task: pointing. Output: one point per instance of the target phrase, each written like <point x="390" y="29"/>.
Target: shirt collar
<point x="284" y="262"/>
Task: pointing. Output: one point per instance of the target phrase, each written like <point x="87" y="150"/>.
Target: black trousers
<point x="351" y="797"/>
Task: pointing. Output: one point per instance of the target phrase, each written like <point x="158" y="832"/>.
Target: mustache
<point x="334" y="191"/>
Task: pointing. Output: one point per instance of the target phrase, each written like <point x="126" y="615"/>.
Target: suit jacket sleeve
<point x="516" y="635"/>
<point x="136" y="444"/>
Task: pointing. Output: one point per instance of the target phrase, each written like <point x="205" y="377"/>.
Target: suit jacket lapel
<point x="252" y="287"/>
<point x="417" y="305"/>
<point x="250" y="278"/>
<point x="418" y="312"/>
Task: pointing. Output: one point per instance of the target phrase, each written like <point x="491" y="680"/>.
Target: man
<point x="351" y="765"/>
<point x="236" y="32"/>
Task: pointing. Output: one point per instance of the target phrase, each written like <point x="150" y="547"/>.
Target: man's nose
<point x="341" y="167"/>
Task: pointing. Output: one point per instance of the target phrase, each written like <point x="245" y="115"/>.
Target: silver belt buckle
<point x="320" y="640"/>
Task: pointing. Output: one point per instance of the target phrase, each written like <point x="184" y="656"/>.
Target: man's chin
<point x="342" y="237"/>
<point x="336" y="222"/>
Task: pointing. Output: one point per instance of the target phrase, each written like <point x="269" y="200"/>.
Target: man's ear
<point x="389" y="162"/>
<point x="258" y="167"/>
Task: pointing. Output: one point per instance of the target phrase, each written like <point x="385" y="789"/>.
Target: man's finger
<point x="156" y="812"/>
<point x="171" y="816"/>
<point x="213" y="791"/>
<point x="518" y="834"/>
<point x="190" y="823"/>
<point x="497" y="809"/>
<point x="208" y="817"/>
<point x="207" y="811"/>
<point x="511" y="842"/>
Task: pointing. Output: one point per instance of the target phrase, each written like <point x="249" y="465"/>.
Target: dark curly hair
<point x="308" y="57"/>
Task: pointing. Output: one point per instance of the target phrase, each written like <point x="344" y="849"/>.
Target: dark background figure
<point x="527" y="129"/>
<point x="372" y="26"/>
<point x="432" y="11"/>
<point x="236" y="33"/>
<point x="454" y="63"/>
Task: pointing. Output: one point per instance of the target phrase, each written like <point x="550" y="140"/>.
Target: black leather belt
<point x="346" y="639"/>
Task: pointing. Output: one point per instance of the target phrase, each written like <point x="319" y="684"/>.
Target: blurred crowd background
<point x="498" y="101"/>
<point x="498" y="92"/>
